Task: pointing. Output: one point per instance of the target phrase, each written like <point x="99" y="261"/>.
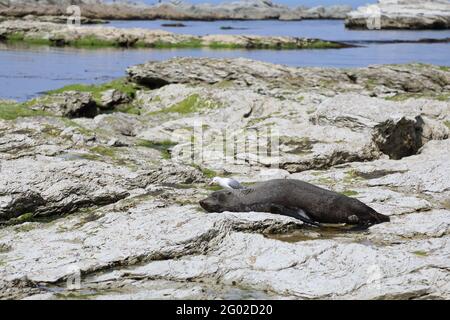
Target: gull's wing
<point x="234" y="184"/>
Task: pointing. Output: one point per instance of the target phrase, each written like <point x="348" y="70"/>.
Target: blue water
<point x="322" y="29"/>
<point x="25" y="72"/>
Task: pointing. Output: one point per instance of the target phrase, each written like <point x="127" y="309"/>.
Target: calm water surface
<point x="28" y="71"/>
<point x="323" y="29"/>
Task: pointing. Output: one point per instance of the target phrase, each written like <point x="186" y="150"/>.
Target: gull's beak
<point x="211" y="183"/>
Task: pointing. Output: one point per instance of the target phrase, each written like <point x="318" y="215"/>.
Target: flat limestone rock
<point x="383" y="81"/>
<point x="106" y="207"/>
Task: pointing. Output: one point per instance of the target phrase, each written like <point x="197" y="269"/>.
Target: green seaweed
<point x="104" y="151"/>
<point x="4" y="248"/>
<point x="420" y="253"/>
<point x="350" y="193"/>
<point x="26" y="217"/>
<point x="405" y="96"/>
<point x="191" y="104"/>
<point x="93" y="42"/>
<point x="13" y="111"/>
<point x="206" y="172"/>
<point x="325" y="181"/>
<point x="121" y="84"/>
<point x="213" y="188"/>
<point x="51" y="131"/>
<point x="19" y="37"/>
<point x="370" y="84"/>
<point x="128" y="108"/>
<point x="351" y="176"/>
<point x="77" y="295"/>
<point x="191" y="43"/>
<point x="320" y="44"/>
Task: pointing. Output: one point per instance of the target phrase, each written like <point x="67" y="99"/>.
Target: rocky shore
<point x="175" y="10"/>
<point x="401" y="14"/>
<point x="97" y="199"/>
<point x="46" y="33"/>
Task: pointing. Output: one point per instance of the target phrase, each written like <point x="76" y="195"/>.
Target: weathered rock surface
<point x="401" y="14"/>
<point x="107" y="207"/>
<point x="56" y="34"/>
<point x="71" y="104"/>
<point x="384" y="81"/>
<point x="113" y="97"/>
<point x="177" y="10"/>
<point x="318" y="12"/>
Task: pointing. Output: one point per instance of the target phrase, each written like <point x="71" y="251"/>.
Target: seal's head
<point x="220" y="201"/>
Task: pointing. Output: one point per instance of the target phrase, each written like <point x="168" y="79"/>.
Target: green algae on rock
<point x="12" y="111"/>
<point x="45" y="33"/>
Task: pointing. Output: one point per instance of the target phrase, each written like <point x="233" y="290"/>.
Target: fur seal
<point x="304" y="201"/>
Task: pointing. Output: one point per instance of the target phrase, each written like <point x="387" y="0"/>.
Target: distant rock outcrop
<point x="401" y="14"/>
<point x="61" y="35"/>
<point x="175" y="10"/>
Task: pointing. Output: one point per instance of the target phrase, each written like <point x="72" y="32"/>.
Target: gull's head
<point x="215" y="180"/>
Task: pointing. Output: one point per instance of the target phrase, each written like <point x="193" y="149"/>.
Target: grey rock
<point x="402" y="14"/>
<point x="71" y="104"/>
<point x="65" y="35"/>
<point x="383" y="81"/>
<point x="109" y="200"/>
<point x="113" y="97"/>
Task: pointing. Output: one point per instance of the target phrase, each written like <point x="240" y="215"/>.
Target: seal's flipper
<point x="361" y="227"/>
<point x="294" y="213"/>
<point x="301" y="215"/>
